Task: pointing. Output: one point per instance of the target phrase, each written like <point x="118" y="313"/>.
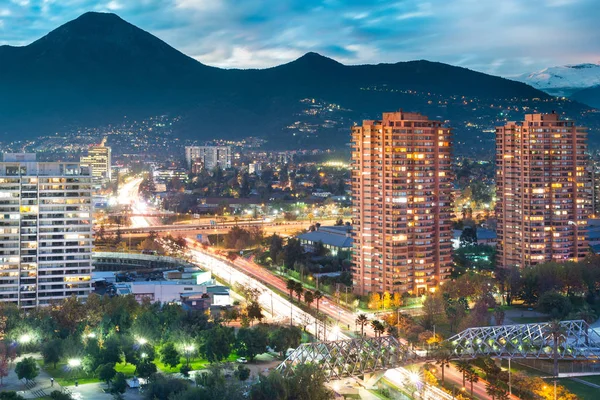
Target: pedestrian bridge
<point x="576" y="342"/>
<point x="366" y="355"/>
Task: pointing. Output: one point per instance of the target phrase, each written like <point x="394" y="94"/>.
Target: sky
<point x="500" y="37"/>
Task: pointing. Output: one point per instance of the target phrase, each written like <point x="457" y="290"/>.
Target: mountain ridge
<point x="99" y="68"/>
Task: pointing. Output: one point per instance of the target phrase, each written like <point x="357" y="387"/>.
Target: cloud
<point x="505" y="37"/>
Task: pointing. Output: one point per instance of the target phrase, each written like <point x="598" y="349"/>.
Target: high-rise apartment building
<point x="45" y="230"/>
<point x="98" y="160"/>
<point x="542" y="189"/>
<point x="402" y="204"/>
<point x="208" y="156"/>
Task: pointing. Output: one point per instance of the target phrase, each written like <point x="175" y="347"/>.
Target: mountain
<point x="99" y="68"/>
<point x="564" y="80"/>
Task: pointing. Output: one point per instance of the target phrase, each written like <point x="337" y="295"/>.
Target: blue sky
<point x="502" y="37"/>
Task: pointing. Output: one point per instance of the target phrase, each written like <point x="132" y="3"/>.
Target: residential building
<point x="98" y="160"/>
<point x="543" y="191"/>
<point x="402" y="204"/>
<point x="337" y="239"/>
<point x="45" y="230"/>
<point x="208" y="156"/>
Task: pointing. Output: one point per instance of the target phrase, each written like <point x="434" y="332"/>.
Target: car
<point x="242" y="360"/>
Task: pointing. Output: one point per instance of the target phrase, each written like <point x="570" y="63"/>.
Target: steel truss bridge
<point x="577" y="342"/>
<point x="357" y="357"/>
<point x="351" y="357"/>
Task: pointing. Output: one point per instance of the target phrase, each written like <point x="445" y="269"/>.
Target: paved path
<point x="586" y="383"/>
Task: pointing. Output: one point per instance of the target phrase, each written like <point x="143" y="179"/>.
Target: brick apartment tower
<point x="402" y="204"/>
<point x="543" y="191"/>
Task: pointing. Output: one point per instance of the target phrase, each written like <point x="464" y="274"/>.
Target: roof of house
<point x="330" y="239"/>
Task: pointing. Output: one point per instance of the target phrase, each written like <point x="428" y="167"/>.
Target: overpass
<point x="357" y="357"/>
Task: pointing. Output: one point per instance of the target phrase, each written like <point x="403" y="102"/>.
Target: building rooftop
<point x="335" y="236"/>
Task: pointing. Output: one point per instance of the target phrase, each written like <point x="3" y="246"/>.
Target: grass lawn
<point x="530" y="320"/>
<point x="592" y="379"/>
<point x="580" y="390"/>
<point x="126" y="369"/>
<point x="64" y="376"/>
<point x="195" y="363"/>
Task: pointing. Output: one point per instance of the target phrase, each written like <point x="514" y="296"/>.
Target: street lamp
<point x="142" y="341"/>
<point x="25" y="338"/>
<point x="74" y="363"/>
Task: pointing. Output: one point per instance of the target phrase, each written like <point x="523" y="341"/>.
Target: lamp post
<point x="188" y="349"/>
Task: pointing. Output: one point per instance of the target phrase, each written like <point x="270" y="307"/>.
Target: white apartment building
<point x="99" y="161"/>
<point x="208" y="156"/>
<point x="45" y="230"/>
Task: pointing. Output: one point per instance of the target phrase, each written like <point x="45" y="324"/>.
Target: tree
<point x="299" y="290"/>
<point x="499" y="315"/>
<point x="556" y="332"/>
<point x="106" y="372"/>
<point x="472" y="377"/>
<point x="58" y="395"/>
<point x="7" y="354"/>
<point x="243" y="372"/>
<point x="146" y="369"/>
<point x="169" y="355"/>
<point x="119" y="384"/>
<point x="443" y="355"/>
<point x="555" y="304"/>
<point x="317" y="296"/>
<point x="378" y="327"/>
<point x="374" y="301"/>
<point x="283" y="338"/>
<point x="291" y="286"/>
<point x="52" y="352"/>
<point x="587" y="314"/>
<point x="307" y="383"/>
<point x="386" y="300"/>
<point x="308" y="298"/>
<point x="397" y="300"/>
<point x="10" y="395"/>
<point x="254" y="311"/>
<point x="251" y="342"/>
<point x="468" y="237"/>
<point x="433" y="306"/>
<point x="27" y="369"/>
<point x="464" y="367"/>
<point x="163" y="387"/>
<point x="362" y="320"/>
<point x="216" y="343"/>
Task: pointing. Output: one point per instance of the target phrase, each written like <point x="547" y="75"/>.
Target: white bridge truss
<point x="534" y="341"/>
<point x="352" y="357"/>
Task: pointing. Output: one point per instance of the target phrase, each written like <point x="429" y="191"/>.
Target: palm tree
<point x="308" y="298"/>
<point x="291" y="285"/>
<point x="443" y="354"/>
<point x="589" y="316"/>
<point x="362" y="320"/>
<point x="463" y="367"/>
<point x="556" y="332"/>
<point x="299" y="290"/>
<point x="377" y="327"/>
<point x="472" y="377"/>
<point x="318" y="296"/>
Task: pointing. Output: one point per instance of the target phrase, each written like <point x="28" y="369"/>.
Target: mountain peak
<point x="563" y="80"/>
<point x="316" y="59"/>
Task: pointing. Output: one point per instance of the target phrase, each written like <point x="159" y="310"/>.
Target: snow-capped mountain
<point x="564" y="80"/>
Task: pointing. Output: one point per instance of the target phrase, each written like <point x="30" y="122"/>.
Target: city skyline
<point x="463" y="33"/>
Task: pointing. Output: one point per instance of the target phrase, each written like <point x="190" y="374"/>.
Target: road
<point x="277" y="306"/>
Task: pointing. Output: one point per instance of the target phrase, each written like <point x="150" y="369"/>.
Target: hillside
<point x="98" y="68"/>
